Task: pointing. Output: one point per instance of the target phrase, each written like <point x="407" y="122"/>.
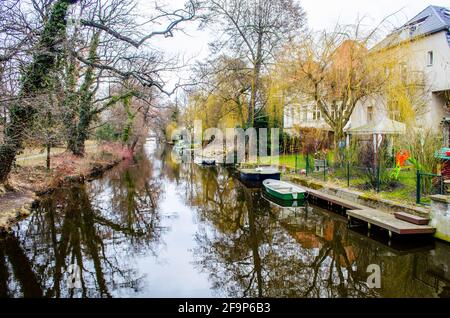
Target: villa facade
<point x="428" y="35"/>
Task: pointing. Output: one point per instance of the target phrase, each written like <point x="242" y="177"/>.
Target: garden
<point x="405" y="168"/>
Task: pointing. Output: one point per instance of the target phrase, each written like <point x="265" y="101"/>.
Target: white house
<point x="305" y="115"/>
<point x="429" y="58"/>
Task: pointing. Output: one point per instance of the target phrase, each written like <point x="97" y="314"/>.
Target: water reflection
<point x="153" y="227"/>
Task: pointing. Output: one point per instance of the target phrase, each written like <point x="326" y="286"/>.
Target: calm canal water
<point x="155" y="228"/>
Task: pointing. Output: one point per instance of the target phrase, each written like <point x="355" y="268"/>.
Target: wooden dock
<point x="389" y="222"/>
<point x="370" y="216"/>
<point x="333" y="200"/>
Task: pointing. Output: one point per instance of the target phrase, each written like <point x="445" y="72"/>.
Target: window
<point x="369" y="114"/>
<point x="304" y="113"/>
<point x="415" y="25"/>
<point x="394" y="114"/>
<point x="446" y="13"/>
<point x="403" y="72"/>
<point x="430" y="58"/>
<point x="316" y="113"/>
<point x="333" y="114"/>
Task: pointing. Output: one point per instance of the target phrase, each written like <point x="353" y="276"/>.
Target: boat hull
<point x="205" y="161"/>
<point x="259" y="177"/>
<point x="285" y="196"/>
<point x="284" y="203"/>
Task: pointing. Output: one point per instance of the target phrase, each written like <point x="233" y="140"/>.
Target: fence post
<point x="296" y="160"/>
<point x="418" y="187"/>
<point x="325" y="166"/>
<point x="348" y="174"/>
<point x="441" y="190"/>
<point x="378" y="177"/>
<point x="307" y="163"/>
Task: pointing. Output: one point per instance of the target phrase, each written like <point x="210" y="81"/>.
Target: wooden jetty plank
<point x="335" y="199"/>
<point x="389" y="222"/>
<point x="411" y="218"/>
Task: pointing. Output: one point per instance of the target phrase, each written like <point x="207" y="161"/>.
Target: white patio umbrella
<point x="377" y="129"/>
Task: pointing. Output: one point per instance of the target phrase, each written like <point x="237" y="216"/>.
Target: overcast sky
<point x="321" y="14"/>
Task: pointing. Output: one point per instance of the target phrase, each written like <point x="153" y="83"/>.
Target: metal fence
<point x="407" y="183"/>
<point x="428" y="184"/>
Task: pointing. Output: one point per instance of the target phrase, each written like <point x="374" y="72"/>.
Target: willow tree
<point x="254" y="30"/>
<point x="336" y="71"/>
<point x="221" y="95"/>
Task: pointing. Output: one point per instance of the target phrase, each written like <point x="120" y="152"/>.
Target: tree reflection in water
<point x="251" y="248"/>
<point x="98" y="227"/>
<point x="234" y="242"/>
<point x="248" y="254"/>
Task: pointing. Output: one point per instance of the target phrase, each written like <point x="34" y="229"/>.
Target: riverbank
<point x="371" y="200"/>
<point x="28" y="182"/>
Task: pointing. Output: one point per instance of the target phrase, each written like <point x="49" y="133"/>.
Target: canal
<point x="154" y="228"/>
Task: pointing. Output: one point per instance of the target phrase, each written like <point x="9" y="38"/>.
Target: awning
<point x="383" y="127"/>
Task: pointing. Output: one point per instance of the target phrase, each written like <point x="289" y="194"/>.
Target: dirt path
<point x="54" y="151"/>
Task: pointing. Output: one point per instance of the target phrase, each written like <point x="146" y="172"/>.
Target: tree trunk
<point x="79" y="134"/>
<point x="48" y="155"/>
<point x="337" y="137"/>
<point x="76" y="146"/>
<point x="7" y="157"/>
<point x="134" y="144"/>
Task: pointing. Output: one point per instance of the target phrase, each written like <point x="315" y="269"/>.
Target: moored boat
<point x="283" y="203"/>
<point x="284" y="190"/>
<point x="205" y="161"/>
<point x="259" y="173"/>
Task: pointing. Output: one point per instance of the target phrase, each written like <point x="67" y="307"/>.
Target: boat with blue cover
<point x="259" y="173"/>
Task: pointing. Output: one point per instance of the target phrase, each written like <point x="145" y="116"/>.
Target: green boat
<point x="284" y="190"/>
<point x="283" y="203"/>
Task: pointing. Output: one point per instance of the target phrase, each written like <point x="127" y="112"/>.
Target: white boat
<point x="205" y="161"/>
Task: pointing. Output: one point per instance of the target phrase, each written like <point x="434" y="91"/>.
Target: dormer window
<point x="430" y="58"/>
<point x="413" y="26"/>
<point x="446" y="13"/>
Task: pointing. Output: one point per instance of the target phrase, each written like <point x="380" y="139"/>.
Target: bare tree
<point x="254" y="30"/>
<point x="106" y="46"/>
<point x="335" y="71"/>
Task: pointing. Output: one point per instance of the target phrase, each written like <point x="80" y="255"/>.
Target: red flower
<point x="401" y="157"/>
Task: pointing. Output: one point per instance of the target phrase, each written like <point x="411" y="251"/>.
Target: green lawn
<point x="288" y="161"/>
<point x="404" y="191"/>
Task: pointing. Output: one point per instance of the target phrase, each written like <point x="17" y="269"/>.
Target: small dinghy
<point x="284" y="203"/>
<point x="259" y="173"/>
<point x="284" y="190"/>
<point x="205" y="161"/>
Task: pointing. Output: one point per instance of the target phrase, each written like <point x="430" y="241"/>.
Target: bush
<point x="377" y="166"/>
<point x="313" y="140"/>
<point x="422" y="145"/>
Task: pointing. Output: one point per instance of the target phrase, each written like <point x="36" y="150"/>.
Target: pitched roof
<point x="431" y="20"/>
<point x="385" y="127"/>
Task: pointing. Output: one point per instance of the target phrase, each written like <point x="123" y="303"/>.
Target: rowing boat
<point x="284" y="190"/>
<point x="259" y="173"/>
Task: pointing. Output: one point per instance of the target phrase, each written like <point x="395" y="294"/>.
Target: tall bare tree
<point x="253" y="31"/>
<point x="114" y="50"/>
